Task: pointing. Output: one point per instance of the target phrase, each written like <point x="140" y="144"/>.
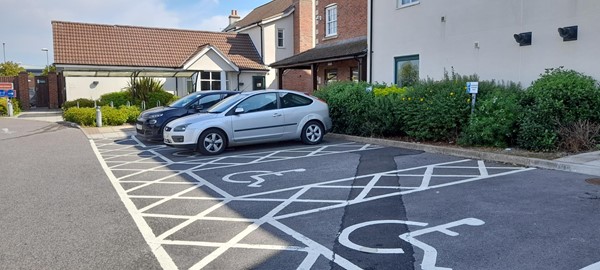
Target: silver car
<point x="251" y="118"/>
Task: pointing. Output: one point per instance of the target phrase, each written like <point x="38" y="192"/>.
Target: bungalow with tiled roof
<point x="96" y="59"/>
<point x="280" y="29"/>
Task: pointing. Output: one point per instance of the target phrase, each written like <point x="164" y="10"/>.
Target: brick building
<point x="279" y="29"/>
<point x="340" y="52"/>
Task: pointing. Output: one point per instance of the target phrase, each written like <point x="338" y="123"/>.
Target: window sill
<point x="330" y="37"/>
<point x="408" y="5"/>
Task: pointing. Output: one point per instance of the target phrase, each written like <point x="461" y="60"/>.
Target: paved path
<point x="57" y="208"/>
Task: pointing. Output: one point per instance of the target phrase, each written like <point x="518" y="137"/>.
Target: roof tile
<point x="118" y="45"/>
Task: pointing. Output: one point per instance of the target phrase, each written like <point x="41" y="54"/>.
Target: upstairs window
<point x="331" y="21"/>
<point x="404" y="3"/>
<point x="280" y="36"/>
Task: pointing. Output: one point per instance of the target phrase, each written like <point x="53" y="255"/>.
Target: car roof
<point x="249" y="93"/>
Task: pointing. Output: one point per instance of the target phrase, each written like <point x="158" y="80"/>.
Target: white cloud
<point x="28" y="29"/>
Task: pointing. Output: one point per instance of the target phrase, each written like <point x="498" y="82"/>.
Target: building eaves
<point x="344" y="49"/>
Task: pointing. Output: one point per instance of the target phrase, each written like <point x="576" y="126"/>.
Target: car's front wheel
<point x="212" y="142"/>
<point x="312" y="133"/>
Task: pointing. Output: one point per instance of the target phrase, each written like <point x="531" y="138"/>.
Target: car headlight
<point x="156" y="115"/>
<point x="181" y="128"/>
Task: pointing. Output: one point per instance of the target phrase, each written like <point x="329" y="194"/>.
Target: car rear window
<point x="289" y="100"/>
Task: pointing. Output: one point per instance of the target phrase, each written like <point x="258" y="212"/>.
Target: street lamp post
<point x="47" y="61"/>
<point x="4" y="51"/>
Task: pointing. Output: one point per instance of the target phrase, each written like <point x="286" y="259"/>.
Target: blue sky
<point x="25" y="27"/>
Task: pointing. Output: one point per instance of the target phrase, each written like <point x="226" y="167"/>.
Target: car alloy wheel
<point x="211" y="142"/>
<point x="312" y="133"/>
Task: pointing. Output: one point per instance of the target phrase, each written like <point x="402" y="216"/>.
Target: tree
<point x="10" y="69"/>
<point x="47" y="69"/>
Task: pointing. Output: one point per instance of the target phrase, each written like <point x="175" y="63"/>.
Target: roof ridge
<point x="148" y="28"/>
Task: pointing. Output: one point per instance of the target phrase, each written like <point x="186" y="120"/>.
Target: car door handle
<point x="276" y="114"/>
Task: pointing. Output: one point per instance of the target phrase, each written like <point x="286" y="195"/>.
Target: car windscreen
<point x="225" y="104"/>
<point x="184" y="101"/>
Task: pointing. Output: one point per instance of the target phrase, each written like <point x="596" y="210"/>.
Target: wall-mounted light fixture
<point x="524" y="39"/>
<point x="94" y="84"/>
<point x="568" y="33"/>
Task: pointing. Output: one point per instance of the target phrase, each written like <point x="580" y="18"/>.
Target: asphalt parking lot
<point x="347" y="205"/>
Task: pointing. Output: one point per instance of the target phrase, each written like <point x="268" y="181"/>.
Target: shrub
<point x="118" y="98"/>
<point x="160" y="96"/>
<point x="81" y="116"/>
<point x="436" y="110"/>
<point x="83" y="103"/>
<point x="110" y="116"/>
<point x="558" y="96"/>
<point x="350" y="107"/>
<point x="4" y="106"/>
<point x="132" y="113"/>
<point x="581" y="135"/>
<point x="140" y="88"/>
<point x="388" y="90"/>
<point x="113" y="116"/>
<point x="497" y="111"/>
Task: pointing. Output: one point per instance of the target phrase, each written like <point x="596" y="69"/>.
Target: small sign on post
<point x="10" y="93"/>
<point x="2" y="93"/>
<point x="473" y="89"/>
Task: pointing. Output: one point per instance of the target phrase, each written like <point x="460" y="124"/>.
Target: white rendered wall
<point x="84" y="87"/>
<point x="419" y="29"/>
<point x="271" y="51"/>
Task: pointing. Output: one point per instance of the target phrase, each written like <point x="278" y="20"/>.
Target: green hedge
<point x="117" y="98"/>
<point x="497" y="112"/>
<point x="110" y="116"/>
<point x="558" y="97"/>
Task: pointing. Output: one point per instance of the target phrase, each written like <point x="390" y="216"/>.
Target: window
<point x="289" y="100"/>
<point x="280" y="43"/>
<point x="407" y="70"/>
<point x="330" y="76"/>
<point x="354" y="74"/>
<point x="331" y="21"/>
<point x="208" y="101"/>
<point x="210" y="80"/>
<point x="405" y="3"/>
<point x="257" y="103"/>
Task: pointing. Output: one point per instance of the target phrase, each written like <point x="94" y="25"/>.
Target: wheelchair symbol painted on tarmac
<point x="430" y="253"/>
<point x="257" y="176"/>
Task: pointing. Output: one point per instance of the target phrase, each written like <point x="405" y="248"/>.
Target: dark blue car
<point x="150" y="123"/>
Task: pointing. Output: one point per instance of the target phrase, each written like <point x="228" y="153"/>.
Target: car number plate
<point x="138" y="126"/>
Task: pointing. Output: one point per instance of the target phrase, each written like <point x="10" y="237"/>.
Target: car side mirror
<point x="197" y="107"/>
<point x="239" y="110"/>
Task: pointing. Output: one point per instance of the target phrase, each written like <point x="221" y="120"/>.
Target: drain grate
<point x="593" y="181"/>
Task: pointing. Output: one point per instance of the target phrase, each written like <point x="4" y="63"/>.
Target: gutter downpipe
<point x="371" y="44"/>
<point x="238" y="79"/>
<point x="262" y="47"/>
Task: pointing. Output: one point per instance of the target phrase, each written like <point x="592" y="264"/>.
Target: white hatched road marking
<point x="313" y="249"/>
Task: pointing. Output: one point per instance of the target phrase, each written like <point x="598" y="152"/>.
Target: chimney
<point x="234" y="17"/>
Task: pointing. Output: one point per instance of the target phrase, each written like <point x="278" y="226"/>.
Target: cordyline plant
<point x="140" y="88"/>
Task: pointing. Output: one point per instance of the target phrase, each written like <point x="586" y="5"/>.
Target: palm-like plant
<point x="140" y="87"/>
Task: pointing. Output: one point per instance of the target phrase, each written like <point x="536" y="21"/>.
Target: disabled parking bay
<point x="348" y="205"/>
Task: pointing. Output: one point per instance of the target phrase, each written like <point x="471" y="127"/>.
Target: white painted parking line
<point x="161" y="255"/>
<point x="595" y="266"/>
<point x="192" y="170"/>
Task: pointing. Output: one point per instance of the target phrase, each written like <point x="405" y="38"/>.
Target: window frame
<point x="410" y="3"/>
<point x="280" y="39"/>
<point x="327" y="72"/>
<point x="210" y="80"/>
<point x="406" y="58"/>
<point x="329" y="22"/>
